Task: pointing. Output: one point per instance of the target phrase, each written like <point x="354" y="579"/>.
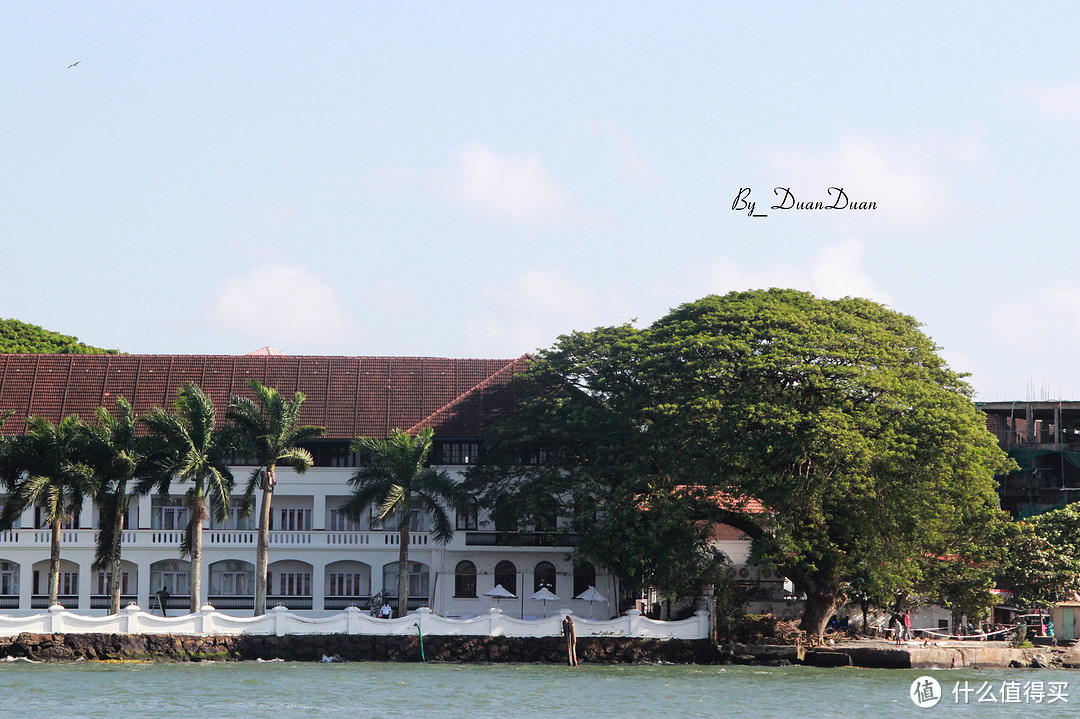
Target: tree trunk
<point x="195" y="528"/>
<point x="262" y="548"/>
<point x="54" y="562"/>
<point x="403" y="562"/>
<point x="820" y="606"/>
<point x="118" y="530"/>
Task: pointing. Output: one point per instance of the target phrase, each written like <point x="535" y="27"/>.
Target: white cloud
<point x="516" y="187"/>
<point x="1060" y="102"/>
<point x="280" y="304"/>
<point x="836" y="271"/>
<point x="530" y="310"/>
<point x="868" y="170"/>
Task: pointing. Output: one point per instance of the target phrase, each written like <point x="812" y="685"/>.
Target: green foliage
<point x="21" y="338"/>
<point x="47" y="466"/>
<point x="395" y="478"/>
<point x="1043" y="564"/>
<point x="268" y="429"/>
<point x="838" y="416"/>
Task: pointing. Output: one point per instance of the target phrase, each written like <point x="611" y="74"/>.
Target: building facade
<point x="320" y="560"/>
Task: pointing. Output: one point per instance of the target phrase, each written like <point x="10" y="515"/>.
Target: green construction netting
<point x="1030" y="510"/>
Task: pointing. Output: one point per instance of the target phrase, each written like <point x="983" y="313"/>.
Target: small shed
<point x="1066" y="619"/>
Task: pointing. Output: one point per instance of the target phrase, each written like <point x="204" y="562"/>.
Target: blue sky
<point x="473" y="179"/>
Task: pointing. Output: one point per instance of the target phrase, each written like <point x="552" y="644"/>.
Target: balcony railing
<point x="223" y="538"/>
<point x="288" y="602"/>
<point x="344" y="602"/>
<point x="9" y="601"/>
<point x="519" y="539"/>
<point x="231" y="601"/>
<point x="101" y="601"/>
<point x="41" y="601"/>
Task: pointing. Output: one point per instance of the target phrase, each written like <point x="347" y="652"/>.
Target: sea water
<point x="282" y="690"/>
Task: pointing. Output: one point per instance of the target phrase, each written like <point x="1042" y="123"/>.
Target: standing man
<point x="162" y="599"/>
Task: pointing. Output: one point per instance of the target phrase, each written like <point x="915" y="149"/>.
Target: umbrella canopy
<point x="499" y="592"/>
<point x="591" y="595"/>
<point x="544" y="594"/>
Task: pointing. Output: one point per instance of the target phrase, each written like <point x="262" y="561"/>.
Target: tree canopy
<point x="1043" y="564"/>
<point x="21" y="338"/>
<point x="862" y="447"/>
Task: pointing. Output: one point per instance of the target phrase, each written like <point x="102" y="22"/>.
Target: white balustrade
<point x="280" y="622"/>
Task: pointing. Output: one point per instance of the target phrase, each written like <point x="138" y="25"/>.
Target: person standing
<point x="385" y="611"/>
<point x="907" y="624"/>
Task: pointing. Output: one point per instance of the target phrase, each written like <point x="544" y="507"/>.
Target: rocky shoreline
<point x="345" y="647"/>
<point x="546" y="650"/>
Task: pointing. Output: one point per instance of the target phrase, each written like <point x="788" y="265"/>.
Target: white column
<point x="142" y="587"/>
<point x="143" y="518"/>
<point x="86" y="582"/>
<point x="318" y="509"/>
<point x="26" y="582"/>
<point x="86" y="515"/>
<point x="318" y="584"/>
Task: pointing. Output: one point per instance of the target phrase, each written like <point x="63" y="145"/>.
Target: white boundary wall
<point x="280" y="622"/>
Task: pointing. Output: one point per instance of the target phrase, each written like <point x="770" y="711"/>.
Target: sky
<point x="473" y="179"/>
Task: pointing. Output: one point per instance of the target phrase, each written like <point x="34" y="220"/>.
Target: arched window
<point x="506" y="575"/>
<point x="584" y="577"/>
<point x="465" y="580"/>
<point x="544" y="577"/>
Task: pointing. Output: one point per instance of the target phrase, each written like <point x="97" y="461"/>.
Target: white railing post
<point x="634" y="615"/>
<point x="496" y="623"/>
<point x="704" y="624"/>
<point x="206" y="622"/>
<point x="423" y="616"/>
<point x="56" y="624"/>
<point x="279" y="620"/>
<point x="130" y="619"/>
<point x="352" y="620"/>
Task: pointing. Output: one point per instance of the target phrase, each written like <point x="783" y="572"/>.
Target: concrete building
<point x="1044" y="439"/>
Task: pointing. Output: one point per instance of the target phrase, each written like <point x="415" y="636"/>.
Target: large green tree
<point x="195" y="452"/>
<point x="268" y="430"/>
<point x="118" y="455"/>
<point x="831" y="432"/>
<point x="46" y="466"/>
<point x="394" y="479"/>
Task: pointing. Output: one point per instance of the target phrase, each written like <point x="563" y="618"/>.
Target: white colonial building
<point x="320" y="561"/>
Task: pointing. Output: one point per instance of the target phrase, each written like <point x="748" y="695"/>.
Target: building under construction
<point x="1044" y="439"/>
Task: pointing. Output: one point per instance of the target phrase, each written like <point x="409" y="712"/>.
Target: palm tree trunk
<point x="54" y="562"/>
<point x="403" y="564"/>
<point x="262" y="548"/>
<point x="118" y="529"/>
<point x="195" y="528"/>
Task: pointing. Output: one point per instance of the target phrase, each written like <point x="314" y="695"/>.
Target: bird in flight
<point x="74" y="64"/>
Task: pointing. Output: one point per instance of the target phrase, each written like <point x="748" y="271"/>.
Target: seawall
<point x="314" y="647"/>
<point x="545" y="650"/>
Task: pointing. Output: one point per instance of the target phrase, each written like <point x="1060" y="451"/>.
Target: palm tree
<point x="394" y="478"/>
<point x="267" y="430"/>
<point x="194" y="452"/>
<point x="118" y="455"/>
<point x="47" y="466"/>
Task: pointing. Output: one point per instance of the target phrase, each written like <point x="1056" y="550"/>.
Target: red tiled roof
<point x="349" y="396"/>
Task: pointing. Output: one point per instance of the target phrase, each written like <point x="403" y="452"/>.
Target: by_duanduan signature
<point x="838" y="200"/>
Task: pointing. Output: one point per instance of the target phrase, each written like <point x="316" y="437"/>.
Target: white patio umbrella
<point x="590" y="595"/>
<point x="499" y="592"/>
<point x="544" y="595"/>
